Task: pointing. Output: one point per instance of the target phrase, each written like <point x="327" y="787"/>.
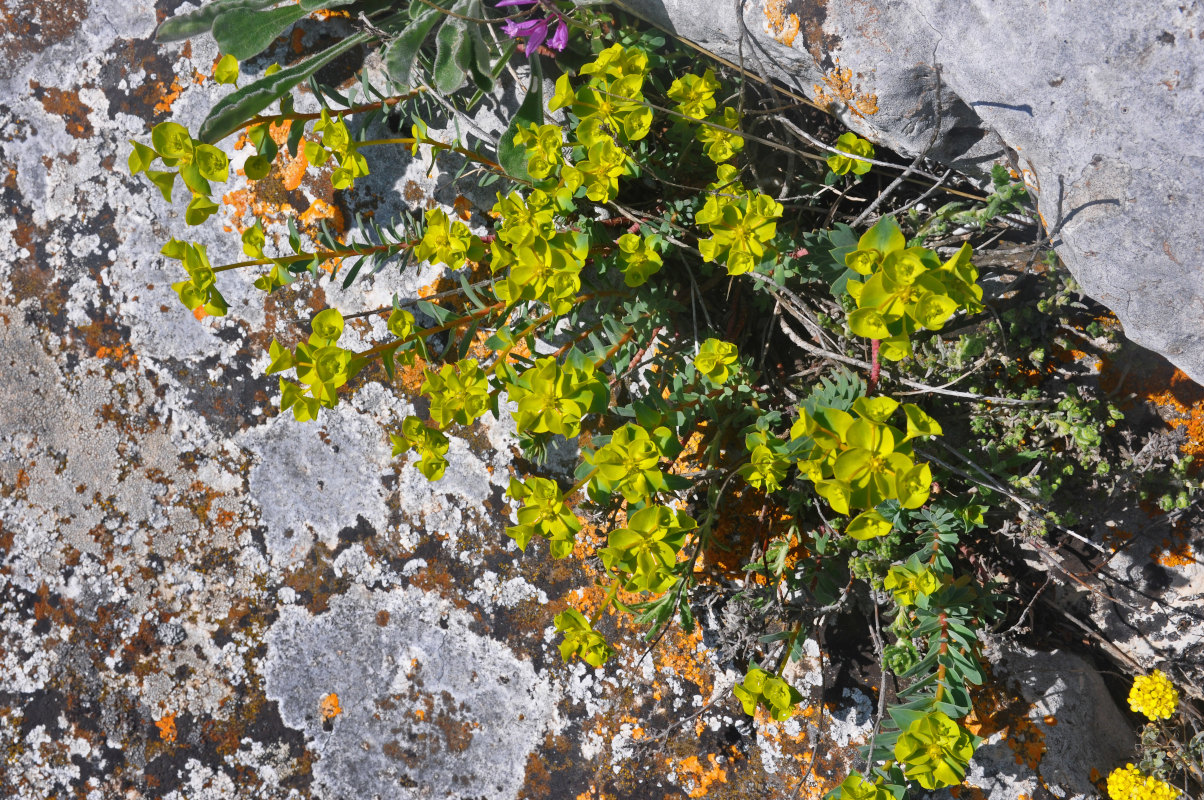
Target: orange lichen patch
<point x="463" y="207"/>
<point x="279" y="131"/>
<point x="66" y="105"/>
<point x="698" y="777"/>
<point x="783" y="26"/>
<point x="318" y="211"/>
<point x="329" y="707"/>
<point x="997" y="709"/>
<point x="681" y="655"/>
<point x="123" y="354"/>
<point x="838" y="86"/>
<point x="292" y="170"/>
<point x="1188" y="417"/>
<point x="749" y="520"/>
<point x="967" y="793"/>
<point x="296" y="42"/>
<point x="167" y="727"/>
<point x="1175" y="550"/>
<point x="169" y="97"/>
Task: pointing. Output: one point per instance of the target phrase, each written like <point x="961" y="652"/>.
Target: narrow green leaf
<point x="400" y="57"/>
<point x="317" y="5"/>
<point x="187" y="25"/>
<point x="436" y="312"/>
<point x="452" y="53"/>
<point x="470" y="292"/>
<point x="479" y="64"/>
<point x="235" y="109"/>
<point x="244" y="33"/>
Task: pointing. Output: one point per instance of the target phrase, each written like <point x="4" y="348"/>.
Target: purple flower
<point x="535" y="31"/>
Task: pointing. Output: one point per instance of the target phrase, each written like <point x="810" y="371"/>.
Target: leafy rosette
<point x="906" y="288"/>
<point x="645" y="552"/>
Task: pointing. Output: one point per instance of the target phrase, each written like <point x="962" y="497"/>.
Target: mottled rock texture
<point x="200" y="599"/>
<point x="1096" y="104"/>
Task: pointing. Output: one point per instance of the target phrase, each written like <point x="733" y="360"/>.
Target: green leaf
<point x="452" y="53"/>
<point x="233" y="110"/>
<point x="199" y="210"/>
<point x="212" y="163"/>
<point x="226" y="70"/>
<point x="511" y="156"/>
<point x="884" y="237"/>
<point x="185" y="26"/>
<point x="171" y="140"/>
<point x="868" y="322"/>
<point x="399" y="58"/>
<point x="294" y="137"/>
<point x="933" y="311"/>
<point x="919" y="423"/>
<point x="194" y="180"/>
<point x="243" y="34"/>
<point x="257" y="167"/>
<point x="479" y="64"/>
<point x="164" y="180"/>
<point x="141" y="157"/>
<point x="904" y="718"/>
<point x="318" y="5"/>
<point x="435" y="312"/>
<point x="868" y="525"/>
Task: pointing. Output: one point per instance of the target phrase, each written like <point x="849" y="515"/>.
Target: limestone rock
<point x="187" y="578"/>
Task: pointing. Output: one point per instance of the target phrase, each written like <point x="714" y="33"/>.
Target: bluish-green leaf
<point x="244" y="33"/>
<point x="436" y="312"/>
<point x="187" y="25"/>
<point x="400" y="57"/>
<point x="235" y="109"/>
<point x="317" y="5"/>
<point x="453" y="49"/>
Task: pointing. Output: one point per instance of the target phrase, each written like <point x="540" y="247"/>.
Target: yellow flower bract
<point x="1154" y="695"/>
<point x="1127" y="783"/>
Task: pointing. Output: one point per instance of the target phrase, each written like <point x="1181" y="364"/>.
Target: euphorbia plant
<point x="580" y="326"/>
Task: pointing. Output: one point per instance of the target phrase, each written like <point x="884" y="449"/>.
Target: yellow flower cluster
<point x="1127" y="783"/>
<point x="1154" y="695"/>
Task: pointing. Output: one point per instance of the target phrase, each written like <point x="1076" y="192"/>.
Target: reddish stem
<point x="875" y="368"/>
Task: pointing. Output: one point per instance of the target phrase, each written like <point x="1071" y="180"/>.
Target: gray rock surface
<point x="1063" y="726"/>
<point x="1096" y="104"/>
<point x="186" y="577"/>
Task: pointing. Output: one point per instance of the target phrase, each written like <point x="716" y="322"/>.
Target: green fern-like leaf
<point x="838" y="391"/>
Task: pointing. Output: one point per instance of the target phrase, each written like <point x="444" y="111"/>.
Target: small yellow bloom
<point x="1154" y="695"/>
<point x="1127" y="783"/>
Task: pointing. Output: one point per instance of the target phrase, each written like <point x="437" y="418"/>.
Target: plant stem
<point x="576" y="487"/>
<point x="422" y="334"/>
<point x="610" y="597"/>
<point x="471" y="155"/>
<point x="875" y="368"/>
<point x="624" y="339"/>
<point x="789" y="649"/>
<point x="276" y="119"/>
<point x="322" y="254"/>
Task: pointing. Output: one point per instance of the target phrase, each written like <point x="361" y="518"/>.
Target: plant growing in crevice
<point x="583" y="308"/>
